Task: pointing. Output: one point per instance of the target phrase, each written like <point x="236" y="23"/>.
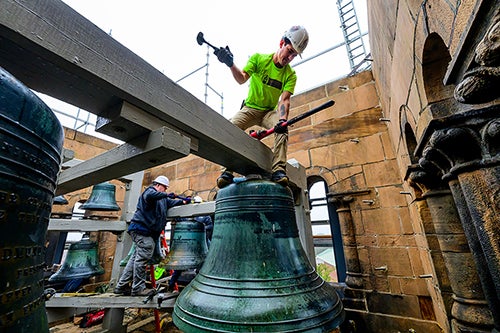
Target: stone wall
<point x="436" y="65"/>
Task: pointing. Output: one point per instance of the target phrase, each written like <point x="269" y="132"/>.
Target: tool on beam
<point x="263" y="133"/>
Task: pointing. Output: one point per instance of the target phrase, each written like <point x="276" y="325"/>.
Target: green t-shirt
<point x="267" y="82"/>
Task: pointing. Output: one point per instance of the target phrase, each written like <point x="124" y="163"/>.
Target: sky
<point x="164" y="34"/>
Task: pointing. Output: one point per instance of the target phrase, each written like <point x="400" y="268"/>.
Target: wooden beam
<point x="86" y="225"/>
<point x="109" y="300"/>
<point x="199" y="209"/>
<point x="54" y="50"/>
<point x="158" y="147"/>
<point x="127" y="121"/>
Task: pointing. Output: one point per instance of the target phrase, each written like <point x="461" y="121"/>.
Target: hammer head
<point x="200" y="38"/>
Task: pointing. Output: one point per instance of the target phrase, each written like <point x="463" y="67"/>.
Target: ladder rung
<point x="356" y="59"/>
<point x="353" y="37"/>
<point x="355" y="48"/>
<point x="356" y="44"/>
<point x="362" y="56"/>
<point x="345" y="17"/>
<point x="352" y="29"/>
<point x="344" y="13"/>
<point x="356" y="54"/>
<point x="352" y="25"/>
<point x="349" y="19"/>
<point x="353" y="33"/>
<point x="347" y="4"/>
<point x="345" y="28"/>
<point x="358" y="49"/>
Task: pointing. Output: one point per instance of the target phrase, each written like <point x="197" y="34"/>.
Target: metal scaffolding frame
<point x="359" y="60"/>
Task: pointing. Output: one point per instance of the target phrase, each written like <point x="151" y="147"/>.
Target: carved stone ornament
<point x="451" y="149"/>
<point x="480" y="85"/>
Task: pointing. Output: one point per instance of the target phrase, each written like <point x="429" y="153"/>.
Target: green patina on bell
<point x="102" y="198"/>
<point x="188" y="246"/>
<point x="257" y="277"/>
<point x="31" y="140"/>
<point x="125" y="260"/>
<point x="60" y="200"/>
<point x="81" y="262"/>
<point x="155" y="259"/>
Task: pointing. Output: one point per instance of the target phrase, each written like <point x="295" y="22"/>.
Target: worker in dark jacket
<point x="148" y="222"/>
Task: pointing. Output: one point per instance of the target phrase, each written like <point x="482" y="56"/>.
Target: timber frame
<point x="54" y="50"/>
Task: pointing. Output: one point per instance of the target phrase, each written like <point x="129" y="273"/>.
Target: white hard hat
<point x="197" y="199"/>
<point x="298" y="36"/>
<point x="162" y="180"/>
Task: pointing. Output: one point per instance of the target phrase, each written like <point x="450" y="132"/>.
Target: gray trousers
<point x="135" y="270"/>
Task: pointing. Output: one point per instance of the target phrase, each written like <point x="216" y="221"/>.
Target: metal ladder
<point x="356" y="51"/>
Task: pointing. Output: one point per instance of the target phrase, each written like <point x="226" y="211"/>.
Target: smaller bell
<point x="125" y="260"/>
<point x="188" y="246"/>
<point x="82" y="261"/>
<point x="102" y="198"/>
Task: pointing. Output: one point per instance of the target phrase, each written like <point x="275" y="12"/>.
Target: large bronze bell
<point x="82" y="261"/>
<point x="31" y="140"/>
<point x="102" y="198"/>
<point x="257" y="277"/>
<point x="188" y="247"/>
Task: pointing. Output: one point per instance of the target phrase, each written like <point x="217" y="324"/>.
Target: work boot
<point x="225" y="179"/>
<point x="125" y="291"/>
<point x="143" y="292"/>
<point x="280" y="177"/>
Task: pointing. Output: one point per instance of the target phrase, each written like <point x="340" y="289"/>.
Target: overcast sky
<point x="164" y="34"/>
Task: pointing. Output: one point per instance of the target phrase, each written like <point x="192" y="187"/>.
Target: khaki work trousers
<point x="248" y="117"/>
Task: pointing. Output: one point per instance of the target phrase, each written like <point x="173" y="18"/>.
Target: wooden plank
<point x="109" y="300"/>
<point x="86" y="225"/>
<point x="199" y="209"/>
<point x="158" y="147"/>
<point x="140" y="324"/>
<point x="54" y="50"/>
<point x="127" y="121"/>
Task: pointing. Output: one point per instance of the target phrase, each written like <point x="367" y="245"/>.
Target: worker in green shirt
<point x="272" y="83"/>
